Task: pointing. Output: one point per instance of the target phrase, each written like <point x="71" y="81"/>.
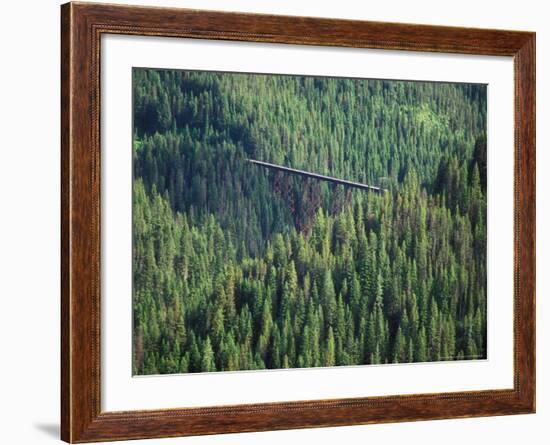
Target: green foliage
<point x="236" y="267"/>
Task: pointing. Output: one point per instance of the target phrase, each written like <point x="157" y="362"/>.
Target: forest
<point x="239" y="267"/>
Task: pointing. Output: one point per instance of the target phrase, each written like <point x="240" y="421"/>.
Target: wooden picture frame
<point x="82" y="25"/>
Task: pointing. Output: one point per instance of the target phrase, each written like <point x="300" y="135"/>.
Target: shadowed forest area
<point x="239" y="267"/>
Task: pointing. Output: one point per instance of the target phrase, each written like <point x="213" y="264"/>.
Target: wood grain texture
<point x="81" y="28"/>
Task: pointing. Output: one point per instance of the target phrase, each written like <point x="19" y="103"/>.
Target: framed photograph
<point x="274" y="222"/>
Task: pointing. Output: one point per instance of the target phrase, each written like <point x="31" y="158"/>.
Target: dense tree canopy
<point x="237" y="267"/>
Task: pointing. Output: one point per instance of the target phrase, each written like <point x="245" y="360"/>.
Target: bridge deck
<point x="295" y="171"/>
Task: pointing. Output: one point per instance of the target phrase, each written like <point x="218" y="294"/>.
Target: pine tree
<point x="330" y="349"/>
<point x="207" y="357"/>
